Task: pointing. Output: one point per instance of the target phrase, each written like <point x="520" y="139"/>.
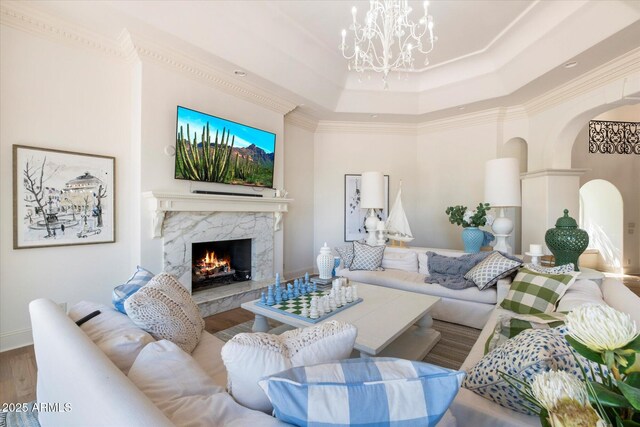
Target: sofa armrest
<point x="502" y="288"/>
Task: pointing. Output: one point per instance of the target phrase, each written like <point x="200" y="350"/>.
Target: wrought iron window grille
<point x="614" y="137"/>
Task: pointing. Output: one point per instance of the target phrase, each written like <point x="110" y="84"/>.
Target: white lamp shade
<point x="372" y="190"/>
<point x="502" y="182"/>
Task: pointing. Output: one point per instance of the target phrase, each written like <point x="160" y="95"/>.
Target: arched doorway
<point x="601" y="215"/>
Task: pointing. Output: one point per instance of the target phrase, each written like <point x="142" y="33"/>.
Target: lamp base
<point x="502" y="228"/>
<point x="371" y="224"/>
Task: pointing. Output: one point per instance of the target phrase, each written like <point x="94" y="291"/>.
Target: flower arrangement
<point x="460" y="215"/>
<point x="608" y="338"/>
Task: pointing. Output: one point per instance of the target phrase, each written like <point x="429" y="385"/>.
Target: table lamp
<point x="372" y="198"/>
<point x="502" y="190"/>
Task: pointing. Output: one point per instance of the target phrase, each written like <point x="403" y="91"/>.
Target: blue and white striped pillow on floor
<point x="363" y="392"/>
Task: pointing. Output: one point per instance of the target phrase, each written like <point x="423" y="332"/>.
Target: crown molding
<point x="327" y="126"/>
<point x="26" y="18"/>
<point x="199" y="70"/>
<point x="477" y="118"/>
<point x="129" y="46"/>
<point x="301" y="120"/>
<point x="620" y="67"/>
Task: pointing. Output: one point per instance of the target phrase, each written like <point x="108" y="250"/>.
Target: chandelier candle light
<point x="388" y="40"/>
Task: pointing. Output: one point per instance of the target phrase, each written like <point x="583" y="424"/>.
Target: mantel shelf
<point x="162" y="202"/>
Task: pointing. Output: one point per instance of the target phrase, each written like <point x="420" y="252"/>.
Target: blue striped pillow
<point x="120" y="293"/>
<point x="363" y="392"/>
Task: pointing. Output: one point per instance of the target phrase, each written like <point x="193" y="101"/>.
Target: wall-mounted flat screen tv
<point x="211" y="149"/>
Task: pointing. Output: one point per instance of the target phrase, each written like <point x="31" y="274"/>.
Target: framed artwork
<point x="62" y="198"/>
<point x="354" y="215"/>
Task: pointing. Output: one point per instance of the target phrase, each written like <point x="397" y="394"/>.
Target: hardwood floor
<point x="18" y="375"/>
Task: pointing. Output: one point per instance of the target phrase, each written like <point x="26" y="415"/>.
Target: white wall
<point x="451" y="164"/>
<point x="623" y="171"/>
<point x="162" y="89"/>
<point x="62" y="97"/>
<point x="337" y="153"/>
<point x="299" y="167"/>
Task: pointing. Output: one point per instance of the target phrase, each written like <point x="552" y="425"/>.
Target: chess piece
<point x="263" y="298"/>
<point x="306" y="277"/>
<point x="332" y="303"/>
<point x="270" y="298"/>
<point x="321" y="310"/>
<point x="354" y="292"/>
<point x="314" y="312"/>
<point x="343" y="296"/>
<point x="277" y="279"/>
<point x="278" y="295"/>
<point x="304" y="312"/>
<point x="285" y="295"/>
<point x="349" y="294"/>
<point x="325" y="302"/>
<point x="296" y="288"/>
<point x="290" y="292"/>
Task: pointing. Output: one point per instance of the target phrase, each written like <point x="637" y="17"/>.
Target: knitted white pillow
<point x="250" y="357"/>
<point x="165" y="309"/>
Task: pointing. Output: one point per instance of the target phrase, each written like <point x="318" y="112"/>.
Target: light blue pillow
<point x="120" y="293"/>
<point x="363" y="392"/>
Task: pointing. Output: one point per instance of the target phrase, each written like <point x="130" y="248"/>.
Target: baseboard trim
<point x="297" y="273"/>
<point x="15" y="339"/>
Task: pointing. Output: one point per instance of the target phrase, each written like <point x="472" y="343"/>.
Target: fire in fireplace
<point x="219" y="263"/>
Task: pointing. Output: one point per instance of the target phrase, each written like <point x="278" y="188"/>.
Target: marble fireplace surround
<point x="183" y="219"/>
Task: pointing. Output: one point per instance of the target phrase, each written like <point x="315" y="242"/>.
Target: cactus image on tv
<point x="212" y="149"/>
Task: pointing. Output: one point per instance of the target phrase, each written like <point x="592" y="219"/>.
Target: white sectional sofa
<point x="470" y="307"/>
<point x="477" y="411"/>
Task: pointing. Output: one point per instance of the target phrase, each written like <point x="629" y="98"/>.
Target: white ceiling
<point x="489" y="52"/>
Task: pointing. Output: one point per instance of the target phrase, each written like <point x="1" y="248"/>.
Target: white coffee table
<point x="390" y="322"/>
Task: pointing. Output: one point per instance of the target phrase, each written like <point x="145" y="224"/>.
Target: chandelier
<point x="388" y="40"/>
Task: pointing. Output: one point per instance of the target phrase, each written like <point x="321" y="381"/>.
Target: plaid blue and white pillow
<point x="120" y="293"/>
<point x="363" y="392"/>
<point x="366" y="257"/>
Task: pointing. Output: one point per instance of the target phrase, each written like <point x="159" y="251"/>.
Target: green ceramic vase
<point x="566" y="241"/>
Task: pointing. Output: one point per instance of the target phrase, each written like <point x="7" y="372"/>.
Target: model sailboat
<point x="397" y="225"/>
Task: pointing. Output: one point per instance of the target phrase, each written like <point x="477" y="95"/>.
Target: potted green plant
<point x="472" y="236"/>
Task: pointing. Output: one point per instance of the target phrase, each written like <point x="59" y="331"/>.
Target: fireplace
<point x="220" y="263"/>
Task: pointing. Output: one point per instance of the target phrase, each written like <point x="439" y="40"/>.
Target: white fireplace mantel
<point x="160" y="203"/>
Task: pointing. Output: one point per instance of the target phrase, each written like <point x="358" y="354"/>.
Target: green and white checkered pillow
<point x="532" y="292"/>
<point x="491" y="269"/>
<point x="367" y="257"/>
<point x="508" y="326"/>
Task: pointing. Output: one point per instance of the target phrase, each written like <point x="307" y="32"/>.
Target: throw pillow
<point x="363" y="392"/>
<point x="166" y="310"/>
<point x="400" y="259"/>
<point x="559" y="269"/>
<point x="249" y="357"/>
<point x="491" y="269"/>
<point x="178" y="386"/>
<point x="346" y="254"/>
<point x="367" y="257"/>
<point x="120" y="293"/>
<point x="113" y="332"/>
<point x="508" y="326"/>
<point x="533" y="292"/>
<point x="531" y="352"/>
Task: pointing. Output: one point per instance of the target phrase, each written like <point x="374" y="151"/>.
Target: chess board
<point x="293" y="307"/>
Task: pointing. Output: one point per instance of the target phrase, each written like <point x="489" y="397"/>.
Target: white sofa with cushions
<point x="407" y="269"/>
<point x="480" y="412"/>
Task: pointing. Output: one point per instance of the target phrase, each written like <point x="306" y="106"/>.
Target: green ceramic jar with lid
<point x="566" y="241"/>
